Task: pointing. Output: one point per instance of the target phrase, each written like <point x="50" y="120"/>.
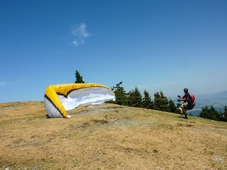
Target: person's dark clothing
<point x="188" y="99"/>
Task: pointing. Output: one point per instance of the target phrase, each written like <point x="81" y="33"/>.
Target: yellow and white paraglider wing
<point x="62" y="97"/>
<point x="53" y="104"/>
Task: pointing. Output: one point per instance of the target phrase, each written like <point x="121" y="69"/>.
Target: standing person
<point x="187" y="102"/>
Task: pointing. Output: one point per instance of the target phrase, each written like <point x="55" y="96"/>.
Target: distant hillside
<point x="213" y="96"/>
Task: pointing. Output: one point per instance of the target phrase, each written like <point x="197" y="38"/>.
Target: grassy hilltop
<point x="108" y="136"/>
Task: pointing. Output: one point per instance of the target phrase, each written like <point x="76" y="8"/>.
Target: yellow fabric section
<point x="65" y="88"/>
<point x="51" y="93"/>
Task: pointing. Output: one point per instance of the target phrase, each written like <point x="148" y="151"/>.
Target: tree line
<point x="211" y="113"/>
<point x="134" y="98"/>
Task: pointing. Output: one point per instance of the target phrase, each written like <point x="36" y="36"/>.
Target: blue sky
<point x="154" y="45"/>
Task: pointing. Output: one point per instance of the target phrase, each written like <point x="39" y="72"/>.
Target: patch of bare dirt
<point x="108" y="136"/>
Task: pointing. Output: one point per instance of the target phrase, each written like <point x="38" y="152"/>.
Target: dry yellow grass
<point x="108" y="136"/>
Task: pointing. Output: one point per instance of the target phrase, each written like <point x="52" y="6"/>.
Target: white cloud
<point x="8" y="83"/>
<point x="3" y="83"/>
<point x="81" y="34"/>
<point x="75" y="43"/>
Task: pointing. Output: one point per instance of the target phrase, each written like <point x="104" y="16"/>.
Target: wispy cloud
<point x="3" y="83"/>
<point x="81" y="35"/>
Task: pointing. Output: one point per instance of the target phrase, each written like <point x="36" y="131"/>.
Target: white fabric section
<point x="87" y="96"/>
<point x="51" y="110"/>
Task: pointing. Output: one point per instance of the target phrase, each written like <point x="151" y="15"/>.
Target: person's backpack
<point x="192" y="102"/>
<point x="193" y="99"/>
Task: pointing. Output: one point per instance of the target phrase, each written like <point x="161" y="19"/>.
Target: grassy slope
<point x="108" y="136"/>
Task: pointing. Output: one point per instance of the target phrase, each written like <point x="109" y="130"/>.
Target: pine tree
<point x="135" y="98"/>
<point x="209" y="113"/>
<point x="224" y="115"/>
<point x="121" y="97"/>
<point x="160" y="101"/>
<point x="172" y="107"/>
<point x="146" y="101"/>
<point x="79" y="79"/>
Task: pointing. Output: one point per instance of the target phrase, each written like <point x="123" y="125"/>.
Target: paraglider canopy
<point x="63" y="97"/>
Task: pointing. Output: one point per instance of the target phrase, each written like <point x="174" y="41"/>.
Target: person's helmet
<point x="185" y="90"/>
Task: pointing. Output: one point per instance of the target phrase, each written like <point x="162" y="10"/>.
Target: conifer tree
<point x="79" y="78"/>
<point x="172" y="107"/>
<point x="209" y="113"/>
<point x="135" y="98"/>
<point x="224" y="115"/>
<point x="121" y="97"/>
<point x="160" y="101"/>
<point x="146" y="101"/>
